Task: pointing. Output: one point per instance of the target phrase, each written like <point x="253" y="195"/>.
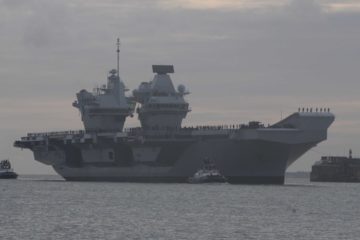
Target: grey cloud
<point x="47" y="24"/>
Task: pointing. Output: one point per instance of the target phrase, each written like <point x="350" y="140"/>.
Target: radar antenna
<point x="118" y="54"/>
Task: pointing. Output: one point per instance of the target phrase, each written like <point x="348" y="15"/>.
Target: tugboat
<point x="6" y="172"/>
<point x="208" y="174"/>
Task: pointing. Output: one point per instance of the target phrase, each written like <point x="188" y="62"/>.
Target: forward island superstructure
<point x="162" y="150"/>
<point x="106" y="109"/>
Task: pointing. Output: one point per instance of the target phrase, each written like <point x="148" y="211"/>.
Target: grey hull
<point x="258" y="156"/>
<point x="248" y="161"/>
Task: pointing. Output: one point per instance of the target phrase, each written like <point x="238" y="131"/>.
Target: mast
<point x="118" y="53"/>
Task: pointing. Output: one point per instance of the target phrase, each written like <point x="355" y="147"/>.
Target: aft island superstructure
<point x="162" y="150"/>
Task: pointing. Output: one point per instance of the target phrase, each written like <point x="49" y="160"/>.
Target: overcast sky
<point x="242" y="60"/>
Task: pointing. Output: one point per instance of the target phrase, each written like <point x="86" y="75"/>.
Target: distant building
<point x="336" y="169"/>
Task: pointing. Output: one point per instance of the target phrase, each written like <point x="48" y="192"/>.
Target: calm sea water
<point x="49" y="208"/>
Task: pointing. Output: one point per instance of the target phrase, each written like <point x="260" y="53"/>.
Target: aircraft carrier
<point x="162" y="150"/>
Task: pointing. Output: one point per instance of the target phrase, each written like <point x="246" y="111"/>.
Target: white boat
<point x="207" y="174"/>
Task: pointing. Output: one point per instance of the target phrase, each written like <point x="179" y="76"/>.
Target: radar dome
<point x="144" y="86"/>
<point x="181" y="88"/>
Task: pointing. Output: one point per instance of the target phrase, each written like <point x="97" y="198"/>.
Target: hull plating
<point x="259" y="155"/>
<point x="248" y="161"/>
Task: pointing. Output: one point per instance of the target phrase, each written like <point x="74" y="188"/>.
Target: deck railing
<point x="136" y="131"/>
<point x="56" y="134"/>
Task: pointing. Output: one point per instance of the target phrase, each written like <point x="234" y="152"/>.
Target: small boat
<point x="6" y="172"/>
<point x="207" y="174"/>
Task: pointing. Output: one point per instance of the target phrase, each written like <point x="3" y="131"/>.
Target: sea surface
<point x="46" y="207"/>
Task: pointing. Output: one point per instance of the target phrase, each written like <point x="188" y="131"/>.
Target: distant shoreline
<point x="300" y="174"/>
